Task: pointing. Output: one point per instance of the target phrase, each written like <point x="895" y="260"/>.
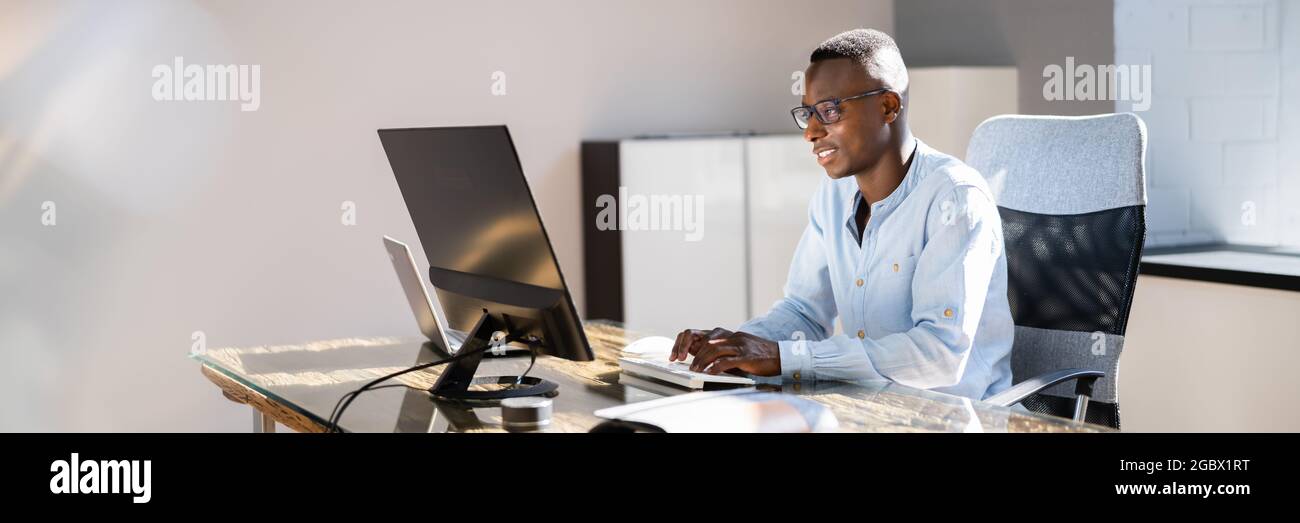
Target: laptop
<point x="428" y="315"/>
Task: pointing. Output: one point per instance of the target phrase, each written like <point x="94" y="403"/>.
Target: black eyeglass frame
<point x="835" y="104"/>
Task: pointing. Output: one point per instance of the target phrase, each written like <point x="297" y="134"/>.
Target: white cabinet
<point x="693" y="273"/>
<point x="782" y="177"/>
<point x="714" y="246"/>
<point x="946" y="104"/>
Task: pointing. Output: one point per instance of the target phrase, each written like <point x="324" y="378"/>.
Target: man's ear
<point x="891" y="106"/>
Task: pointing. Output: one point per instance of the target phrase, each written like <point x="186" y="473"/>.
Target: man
<point x="903" y="244"/>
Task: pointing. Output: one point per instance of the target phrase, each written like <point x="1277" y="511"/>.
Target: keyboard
<point x="677" y="372"/>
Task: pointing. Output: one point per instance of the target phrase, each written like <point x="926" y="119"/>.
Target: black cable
<point x="532" y="360"/>
<point x="341" y="398"/>
<point x="333" y="424"/>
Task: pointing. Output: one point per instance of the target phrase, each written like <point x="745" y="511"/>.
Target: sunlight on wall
<point x="77" y="98"/>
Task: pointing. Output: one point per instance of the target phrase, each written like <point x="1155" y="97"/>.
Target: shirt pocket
<point x="891" y="308"/>
<point x="899" y="267"/>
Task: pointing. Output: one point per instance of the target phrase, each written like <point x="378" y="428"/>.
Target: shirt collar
<point x="883" y="207"/>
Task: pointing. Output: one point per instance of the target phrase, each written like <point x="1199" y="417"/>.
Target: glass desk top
<point x="298" y="385"/>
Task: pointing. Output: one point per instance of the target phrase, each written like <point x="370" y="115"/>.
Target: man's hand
<point x="691" y="341"/>
<point x="720" y="350"/>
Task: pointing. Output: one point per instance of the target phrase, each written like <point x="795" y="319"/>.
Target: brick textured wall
<point x="1224" y="124"/>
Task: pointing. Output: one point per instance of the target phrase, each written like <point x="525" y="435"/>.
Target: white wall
<point x="1224" y="122"/>
<point x="175" y="217"/>
<point x="1222" y="165"/>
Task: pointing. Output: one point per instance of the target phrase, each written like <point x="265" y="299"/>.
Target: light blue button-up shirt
<point x="922" y="301"/>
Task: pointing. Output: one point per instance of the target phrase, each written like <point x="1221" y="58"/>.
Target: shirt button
<point x="859" y="282"/>
<point x="895" y="267"/>
<point x="796" y="376"/>
<point x="862" y="335"/>
<point x="796" y="387"/>
<point x="947" y="313"/>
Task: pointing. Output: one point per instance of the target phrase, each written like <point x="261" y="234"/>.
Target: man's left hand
<point x="740" y="351"/>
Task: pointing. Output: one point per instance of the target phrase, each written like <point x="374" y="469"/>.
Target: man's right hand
<point x="690" y="341"/>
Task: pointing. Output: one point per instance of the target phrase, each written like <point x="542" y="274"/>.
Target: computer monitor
<point x="490" y="261"/>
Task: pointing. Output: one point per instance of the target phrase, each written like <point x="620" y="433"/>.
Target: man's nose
<point x="814" y="130"/>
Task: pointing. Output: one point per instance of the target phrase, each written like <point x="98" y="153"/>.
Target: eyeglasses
<point x="827" y="111"/>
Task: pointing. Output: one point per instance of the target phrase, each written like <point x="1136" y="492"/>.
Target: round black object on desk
<point x="527" y="413"/>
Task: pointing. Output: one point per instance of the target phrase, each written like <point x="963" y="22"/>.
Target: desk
<point x="1213" y="329"/>
<point x="1244" y="265"/>
<point x="298" y="385"/>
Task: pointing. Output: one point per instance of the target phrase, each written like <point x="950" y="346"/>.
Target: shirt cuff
<point x="796" y="360"/>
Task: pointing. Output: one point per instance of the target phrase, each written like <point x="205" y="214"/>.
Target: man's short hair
<point x="875" y="50"/>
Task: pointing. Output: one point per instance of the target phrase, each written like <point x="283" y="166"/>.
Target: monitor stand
<point x="454" y="383"/>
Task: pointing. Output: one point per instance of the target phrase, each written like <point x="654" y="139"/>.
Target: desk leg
<point x="262" y="423"/>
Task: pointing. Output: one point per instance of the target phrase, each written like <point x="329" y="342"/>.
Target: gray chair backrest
<point x="1072" y="195"/>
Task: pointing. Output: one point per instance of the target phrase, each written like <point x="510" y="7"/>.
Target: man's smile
<point x="825" y="154"/>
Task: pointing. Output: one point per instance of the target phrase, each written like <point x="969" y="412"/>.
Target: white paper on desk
<point x="741" y="410"/>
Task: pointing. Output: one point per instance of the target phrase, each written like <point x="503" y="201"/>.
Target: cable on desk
<point x="532" y="360"/>
<point x="333" y="424"/>
<point x="341" y="398"/>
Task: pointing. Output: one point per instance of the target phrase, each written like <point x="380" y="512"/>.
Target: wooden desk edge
<point x="240" y="393"/>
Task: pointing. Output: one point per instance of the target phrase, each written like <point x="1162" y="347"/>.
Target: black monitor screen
<point x="479" y="227"/>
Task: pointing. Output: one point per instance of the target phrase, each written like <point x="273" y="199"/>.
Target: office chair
<point x="1072" y="195"/>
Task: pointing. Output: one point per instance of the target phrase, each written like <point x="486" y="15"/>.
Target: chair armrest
<point x="1036" y="384"/>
